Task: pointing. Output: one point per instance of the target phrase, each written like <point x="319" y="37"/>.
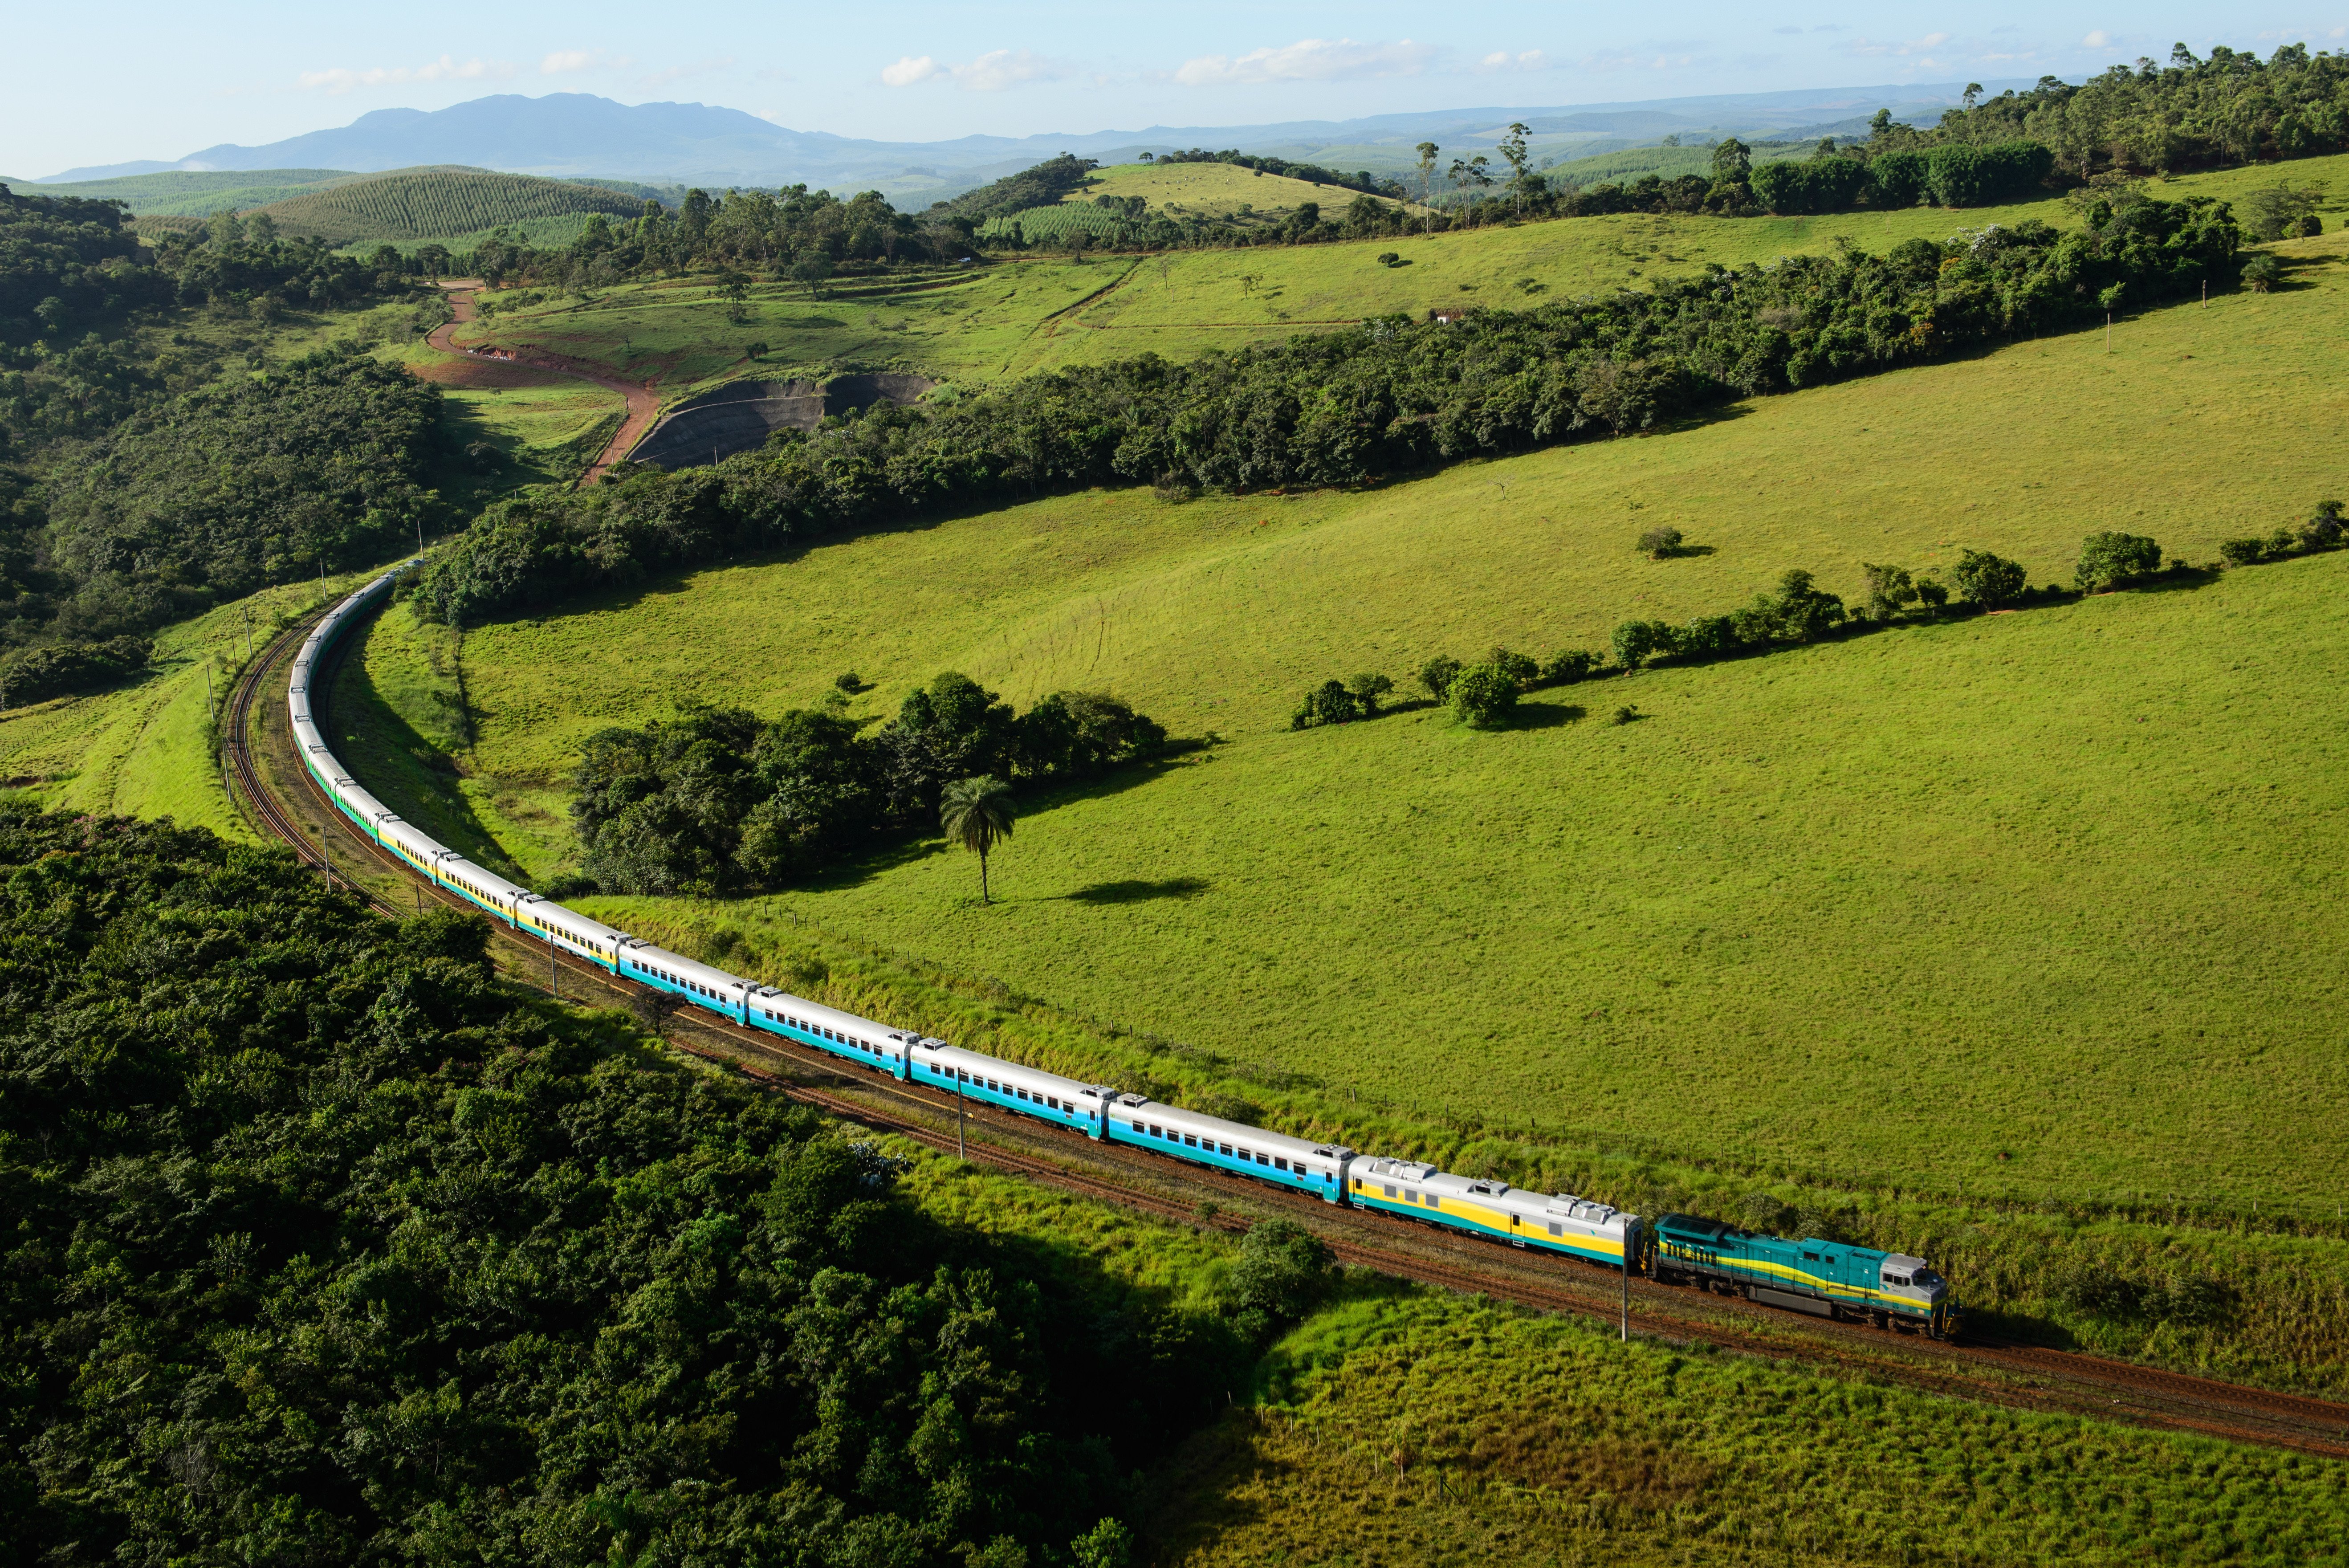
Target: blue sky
<point x="135" y="79"/>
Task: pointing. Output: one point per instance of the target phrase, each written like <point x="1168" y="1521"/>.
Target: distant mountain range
<point x="579" y="134"/>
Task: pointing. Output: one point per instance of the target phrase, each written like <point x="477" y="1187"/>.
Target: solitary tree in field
<point x="1427" y="151"/>
<point x="736" y="287"/>
<point x="977" y="814"/>
<point x="1513" y="149"/>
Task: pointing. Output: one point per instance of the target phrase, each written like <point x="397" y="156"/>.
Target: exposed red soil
<point x="531" y="366"/>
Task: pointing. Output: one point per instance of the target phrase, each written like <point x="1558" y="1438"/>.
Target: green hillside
<point x="1630" y="162"/>
<point x="2033" y="904"/>
<point x="1030" y="314"/>
<point x="434" y="203"/>
<point x="191" y="193"/>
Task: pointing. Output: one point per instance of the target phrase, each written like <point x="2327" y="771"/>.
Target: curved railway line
<point x="257" y="741"/>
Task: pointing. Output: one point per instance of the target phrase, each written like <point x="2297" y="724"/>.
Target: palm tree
<point x="977" y="814"/>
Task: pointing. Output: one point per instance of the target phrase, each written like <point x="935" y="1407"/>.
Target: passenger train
<point x="1809" y="1276"/>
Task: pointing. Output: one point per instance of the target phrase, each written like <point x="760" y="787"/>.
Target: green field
<point x="415" y="204"/>
<point x="1818" y="914"/>
<point x="199" y="193"/>
<point x="145" y="748"/>
<point x="1209" y="190"/>
<point x="1540" y="1439"/>
<point x="1014" y="318"/>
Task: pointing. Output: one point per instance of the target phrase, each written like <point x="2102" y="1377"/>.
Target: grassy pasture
<point x="1941" y="905"/>
<point x="1535" y="1439"/>
<point x="1527" y="1440"/>
<point x="1037" y="313"/>
<point x="1210" y="190"/>
<point x="144" y="748"/>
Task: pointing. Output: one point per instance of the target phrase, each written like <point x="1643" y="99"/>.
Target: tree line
<point x="1344" y="408"/>
<point x="326" y="1246"/>
<point x="1798" y="611"/>
<point x="718" y="799"/>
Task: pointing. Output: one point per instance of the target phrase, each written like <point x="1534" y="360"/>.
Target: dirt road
<point x="642" y="405"/>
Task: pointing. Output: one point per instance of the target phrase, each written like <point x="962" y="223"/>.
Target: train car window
<point x="1191" y="1140"/>
<point x="1810" y="1256"/>
<point x="1280" y="1165"/>
<point x="1226" y="1150"/>
<point x="1264" y="1159"/>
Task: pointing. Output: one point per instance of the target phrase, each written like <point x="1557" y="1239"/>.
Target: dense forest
<point x="1341" y="408"/>
<point x="717" y="801"/>
<point x="141" y="477"/>
<point x="324" y="1247"/>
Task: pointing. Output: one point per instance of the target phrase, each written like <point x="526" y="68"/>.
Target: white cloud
<point x="910" y="69"/>
<point x="1309" y="60"/>
<point x="564" y="60"/>
<point x="1000" y="69"/>
<point x="2099" y="40"/>
<point x="990" y="72"/>
<point x="342" y="79"/>
<point x="1526" y="60"/>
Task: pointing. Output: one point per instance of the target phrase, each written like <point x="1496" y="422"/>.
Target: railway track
<point x="2019" y="1375"/>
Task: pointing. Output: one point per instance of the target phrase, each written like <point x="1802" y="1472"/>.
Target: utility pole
<point x="248" y="632"/>
<point x="1627" y="1284"/>
<point x="327" y="858"/>
<point x="962" y="1149"/>
<point x="210" y="715"/>
<point x="2109" y="331"/>
<point x="553" y="975"/>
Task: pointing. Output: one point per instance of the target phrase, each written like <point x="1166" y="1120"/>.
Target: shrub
<point x="1437" y="675"/>
<point x="1986" y="580"/>
<point x="755" y="350"/>
<point x="1890" y="590"/>
<point x="1483" y="695"/>
<point x="2109" y="560"/>
<point x="2243" y="551"/>
<point x="1761" y="1211"/>
<point x="37" y="674"/>
<point x="1932" y="593"/>
<point x="1626" y="714"/>
<point x="1637" y="641"/>
<point x="1327" y="704"/>
<point x="2308" y="228"/>
<point x="1570" y="667"/>
<point x="1389" y="258"/>
<point x="1661" y="543"/>
<point x="1282" y="1273"/>
<point x="1517" y="666"/>
<point x="2263" y="272"/>
<point x="1367" y="688"/>
<point x="2323" y="531"/>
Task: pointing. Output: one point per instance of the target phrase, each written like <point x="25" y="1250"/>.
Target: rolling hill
<point x="191" y="193"/>
<point x="440" y="203"/>
<point x="582" y="134"/>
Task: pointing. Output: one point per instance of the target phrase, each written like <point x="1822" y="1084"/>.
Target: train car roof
<point x="829" y="1017"/>
<point x="939" y="1052"/>
<point x="645" y="954"/>
<point x="1255" y="1138"/>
